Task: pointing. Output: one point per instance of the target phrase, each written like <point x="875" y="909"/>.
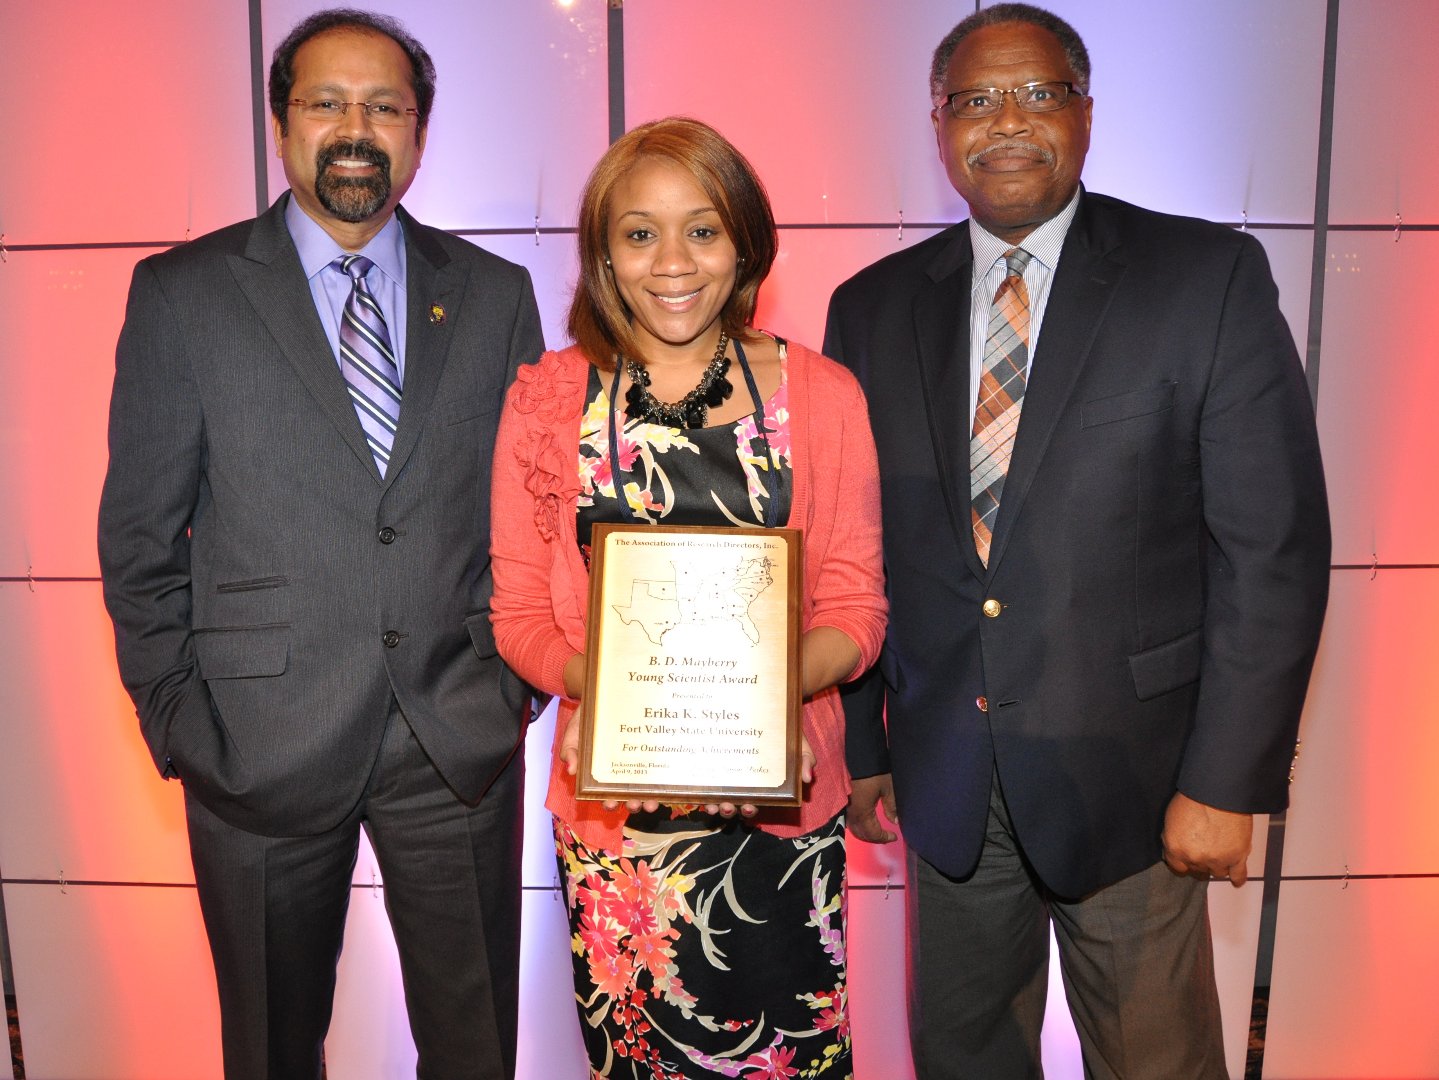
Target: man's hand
<point x="863" y="820"/>
<point x="1203" y="840"/>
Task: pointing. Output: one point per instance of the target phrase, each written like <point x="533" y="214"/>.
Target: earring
<point x="607" y="263"/>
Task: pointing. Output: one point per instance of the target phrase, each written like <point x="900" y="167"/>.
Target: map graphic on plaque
<point x="698" y="593"/>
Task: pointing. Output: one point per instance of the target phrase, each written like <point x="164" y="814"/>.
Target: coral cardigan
<point x="541" y="583"/>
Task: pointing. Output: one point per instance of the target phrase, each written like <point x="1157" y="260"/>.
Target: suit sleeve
<point x="866" y="748"/>
<point x="1267" y="560"/>
<point x="157" y="442"/>
<point x="527" y="340"/>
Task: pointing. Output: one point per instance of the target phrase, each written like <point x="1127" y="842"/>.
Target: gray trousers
<point x="275" y="908"/>
<point x="1136" y="958"/>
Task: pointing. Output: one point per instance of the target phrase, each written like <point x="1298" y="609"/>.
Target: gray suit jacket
<point x="270" y="592"/>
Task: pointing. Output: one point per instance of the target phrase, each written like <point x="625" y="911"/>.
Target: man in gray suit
<point x="294" y="544"/>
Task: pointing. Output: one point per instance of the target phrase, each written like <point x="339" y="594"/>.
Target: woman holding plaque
<point x="708" y="940"/>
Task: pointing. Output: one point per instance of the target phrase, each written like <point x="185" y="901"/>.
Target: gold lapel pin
<point x="437" y="314"/>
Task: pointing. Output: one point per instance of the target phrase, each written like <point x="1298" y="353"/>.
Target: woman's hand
<point x="749" y="810"/>
<point x="570" y="742"/>
<point x="574" y="677"/>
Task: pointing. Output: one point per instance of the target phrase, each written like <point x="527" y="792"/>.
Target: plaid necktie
<point x="368" y="361"/>
<point x="1001" y="393"/>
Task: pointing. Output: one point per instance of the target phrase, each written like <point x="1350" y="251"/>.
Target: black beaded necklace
<point x="771" y="479"/>
<point x="690" y="411"/>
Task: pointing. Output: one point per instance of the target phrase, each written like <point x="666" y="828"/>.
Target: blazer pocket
<point x="1167" y="667"/>
<point x="482" y="635"/>
<point x="1109" y="410"/>
<point x="243" y="652"/>
<point x="459" y="412"/>
<point x="251" y="585"/>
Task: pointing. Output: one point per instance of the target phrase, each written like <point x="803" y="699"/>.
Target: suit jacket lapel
<point x="941" y="324"/>
<point x="1090" y="269"/>
<point x="270" y="275"/>
<point x="433" y="286"/>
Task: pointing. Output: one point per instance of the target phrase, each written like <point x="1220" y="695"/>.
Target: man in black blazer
<point x="300" y="580"/>
<point x="1081" y="726"/>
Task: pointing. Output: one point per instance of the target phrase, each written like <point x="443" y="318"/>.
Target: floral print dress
<point x="705" y="947"/>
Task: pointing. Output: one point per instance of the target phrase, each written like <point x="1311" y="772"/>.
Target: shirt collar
<point x="318" y="249"/>
<point x="1044" y="244"/>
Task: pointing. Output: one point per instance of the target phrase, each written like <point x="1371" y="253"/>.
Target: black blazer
<point x="270" y="592"/>
<point x="1160" y="561"/>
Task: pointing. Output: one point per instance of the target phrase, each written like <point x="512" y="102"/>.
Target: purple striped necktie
<point x="1001" y="394"/>
<point x="367" y="361"/>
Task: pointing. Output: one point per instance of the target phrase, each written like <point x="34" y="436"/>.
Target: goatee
<point x="352" y="198"/>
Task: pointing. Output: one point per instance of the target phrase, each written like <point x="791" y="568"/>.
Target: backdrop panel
<point x="876" y="982"/>
<point x="1380" y="442"/>
<point x="1356" y="975"/>
<point x="1291" y="258"/>
<point x="126" y="121"/>
<point x="540" y="869"/>
<point x="369" y="1033"/>
<point x="61" y="312"/>
<point x="810" y="264"/>
<point x="1058" y="1041"/>
<point x="1234" y="922"/>
<point x="113" y="983"/>
<point x="878" y="864"/>
<point x="1386" y="152"/>
<point x="1363" y="790"/>
<point x="550" y="1043"/>
<point x="520" y="111"/>
<point x="79" y="796"/>
<point x="829" y="103"/>
<point x="1206" y="109"/>
<point x="553" y="266"/>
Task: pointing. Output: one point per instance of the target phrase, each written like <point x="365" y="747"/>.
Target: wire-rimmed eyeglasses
<point x="382" y="113"/>
<point x="981" y="101"/>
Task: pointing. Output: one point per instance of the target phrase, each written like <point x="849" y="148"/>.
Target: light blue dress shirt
<point x="1044" y="245"/>
<point x="331" y="288"/>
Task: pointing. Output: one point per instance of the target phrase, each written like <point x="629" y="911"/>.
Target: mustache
<point x="360" y="150"/>
<point x="1044" y="154"/>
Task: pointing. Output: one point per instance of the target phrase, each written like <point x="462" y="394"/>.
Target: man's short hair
<point x="282" y="67"/>
<point x="1069" y="41"/>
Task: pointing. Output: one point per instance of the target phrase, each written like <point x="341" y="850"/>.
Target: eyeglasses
<point x="379" y="113"/>
<point x="984" y="101"/>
